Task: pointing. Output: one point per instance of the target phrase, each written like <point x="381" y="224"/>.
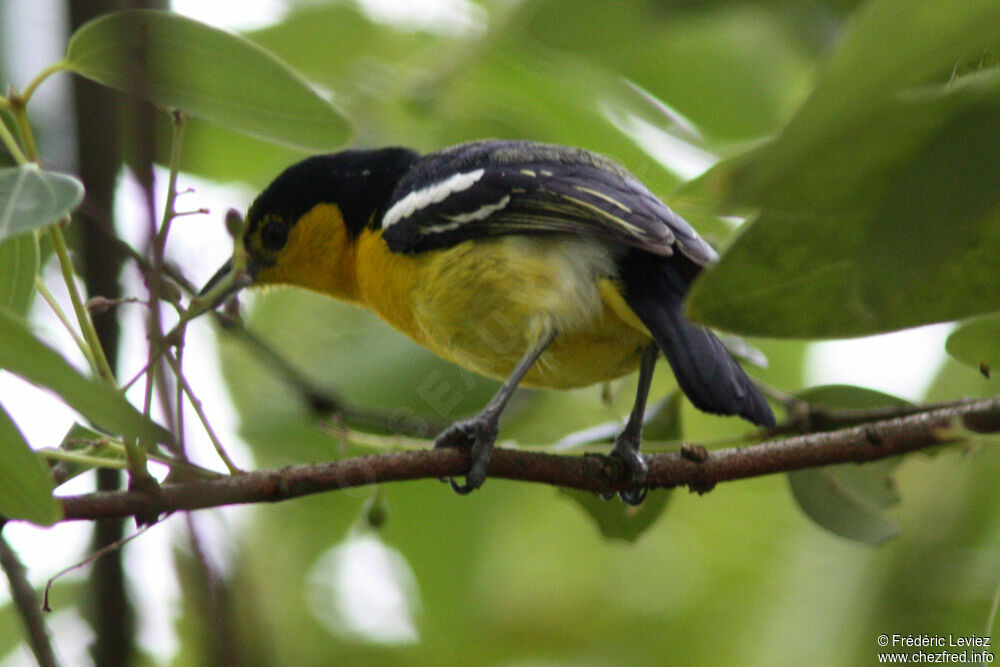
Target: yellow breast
<point x="483" y="304"/>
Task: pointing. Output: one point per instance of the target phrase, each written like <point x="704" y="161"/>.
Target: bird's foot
<point x="478" y="433"/>
<point x="627" y="449"/>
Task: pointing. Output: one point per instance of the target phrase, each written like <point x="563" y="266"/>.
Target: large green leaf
<point x="890" y="47"/>
<point x="24" y="355"/>
<point x="31" y="197"/>
<point x="177" y="62"/>
<point x="880" y="200"/>
<point x="19" y="261"/>
<point x="25" y="483"/>
<point x="977" y="343"/>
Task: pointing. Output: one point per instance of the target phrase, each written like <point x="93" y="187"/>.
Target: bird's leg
<point x="481" y="431"/>
<point x="627" y="443"/>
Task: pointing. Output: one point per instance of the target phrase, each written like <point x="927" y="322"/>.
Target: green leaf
<point x="25" y="484"/>
<point x="24" y="355"/>
<point x="19" y="262"/>
<point x="848" y="499"/>
<point x="849" y="397"/>
<point x="976" y="343"/>
<point x="615" y="519"/>
<point x="880" y="200"/>
<point x="31" y="198"/>
<point x="176" y="62"/>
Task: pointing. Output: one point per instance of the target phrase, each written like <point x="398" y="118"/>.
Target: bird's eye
<point x="273" y="235"/>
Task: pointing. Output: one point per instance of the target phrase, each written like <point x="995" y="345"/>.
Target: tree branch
<point x="692" y="466"/>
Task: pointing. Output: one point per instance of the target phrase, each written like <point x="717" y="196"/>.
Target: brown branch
<point x="693" y="467"/>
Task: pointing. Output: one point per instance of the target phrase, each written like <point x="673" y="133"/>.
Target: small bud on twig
<point x="98" y="305"/>
<point x="234" y="223"/>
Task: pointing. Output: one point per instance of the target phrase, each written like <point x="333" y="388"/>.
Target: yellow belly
<point x="483" y="304"/>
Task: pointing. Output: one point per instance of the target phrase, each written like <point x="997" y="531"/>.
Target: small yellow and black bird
<point x="542" y="265"/>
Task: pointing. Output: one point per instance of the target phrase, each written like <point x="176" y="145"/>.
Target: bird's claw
<point x="635" y="491"/>
<point x="478" y="433"/>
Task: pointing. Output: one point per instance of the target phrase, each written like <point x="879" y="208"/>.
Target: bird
<point x="537" y="264"/>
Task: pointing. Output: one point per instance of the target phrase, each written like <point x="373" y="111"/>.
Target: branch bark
<point x="692" y="466"/>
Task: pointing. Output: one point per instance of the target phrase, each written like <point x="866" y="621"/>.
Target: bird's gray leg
<point x="627" y="443"/>
<point x="481" y="431"/>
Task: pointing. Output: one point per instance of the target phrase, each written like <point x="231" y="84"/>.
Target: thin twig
<point x="196" y="404"/>
<point x="106" y="549"/>
<point x="811" y="417"/>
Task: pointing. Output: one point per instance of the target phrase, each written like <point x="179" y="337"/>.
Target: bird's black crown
<point x="359" y="182"/>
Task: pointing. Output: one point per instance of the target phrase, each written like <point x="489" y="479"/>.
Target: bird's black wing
<point x="494" y="188"/>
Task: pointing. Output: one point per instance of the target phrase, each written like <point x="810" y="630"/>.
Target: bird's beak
<point x="239" y="283"/>
<point x="214" y="280"/>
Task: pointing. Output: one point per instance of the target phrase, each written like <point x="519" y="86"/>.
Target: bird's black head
<point x="357" y="182"/>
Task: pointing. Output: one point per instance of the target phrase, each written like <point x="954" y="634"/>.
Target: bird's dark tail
<point x="706" y="372"/>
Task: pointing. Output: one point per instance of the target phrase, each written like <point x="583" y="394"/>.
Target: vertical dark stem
<point x="99" y="129"/>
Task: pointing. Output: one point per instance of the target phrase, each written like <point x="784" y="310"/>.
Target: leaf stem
<point x="64" y="319"/>
<point x="100" y="361"/>
<point x="29" y="90"/>
<point x="55" y="454"/>
<point x="27" y="135"/>
<point x="10" y="143"/>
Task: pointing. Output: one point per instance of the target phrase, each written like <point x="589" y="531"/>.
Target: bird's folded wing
<point x="500" y="188"/>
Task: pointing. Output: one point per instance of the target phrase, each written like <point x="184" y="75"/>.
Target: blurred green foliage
<point x="519" y="573"/>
